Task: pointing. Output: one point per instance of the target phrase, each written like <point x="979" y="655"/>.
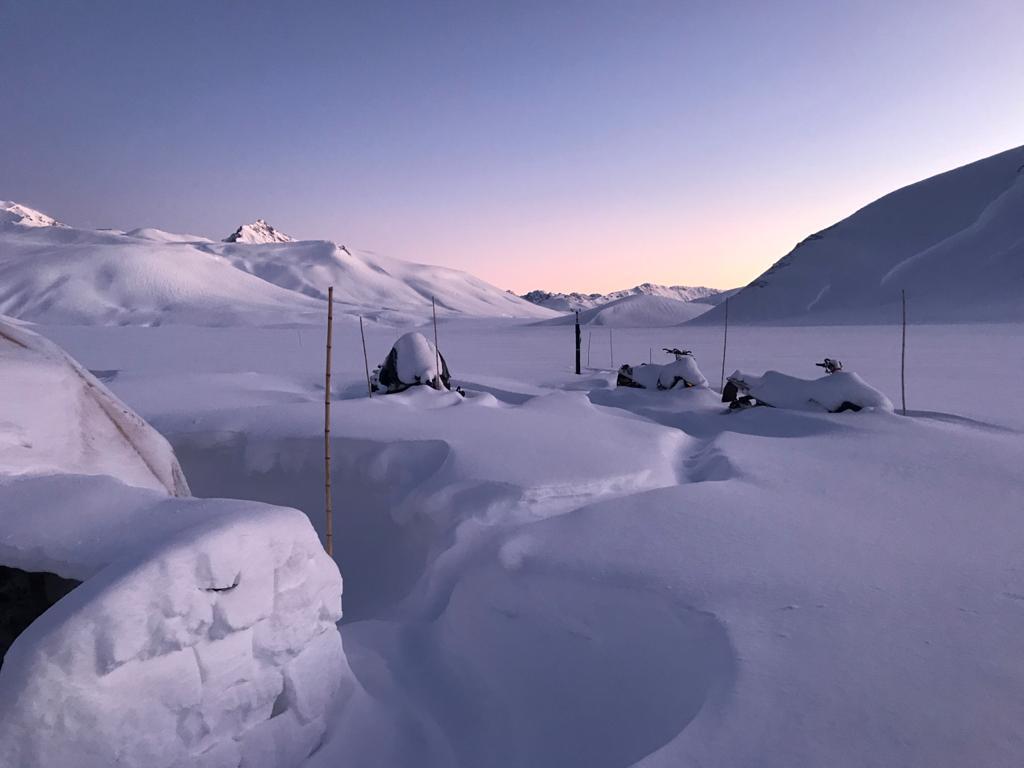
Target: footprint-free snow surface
<point x="551" y="571"/>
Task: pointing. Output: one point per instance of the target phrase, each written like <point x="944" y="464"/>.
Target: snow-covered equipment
<point x="412" y="361"/>
<point x="830" y="365"/>
<point x="682" y="373"/>
<point x="835" y="392"/>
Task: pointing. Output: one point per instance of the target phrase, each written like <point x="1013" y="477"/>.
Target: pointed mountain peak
<point x="257" y="232"/>
<point x="16" y="213"/>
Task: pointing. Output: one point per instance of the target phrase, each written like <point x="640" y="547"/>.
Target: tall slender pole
<point x="611" y="349"/>
<point x="650" y="355"/>
<point x="366" y="360"/>
<point x="578" y="338"/>
<point x="903" y="354"/>
<point x="328" y="511"/>
<point x="725" y="343"/>
<point x="437" y="352"/>
<point x="590" y="334"/>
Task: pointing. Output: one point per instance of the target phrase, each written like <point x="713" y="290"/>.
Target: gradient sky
<point x="563" y="145"/>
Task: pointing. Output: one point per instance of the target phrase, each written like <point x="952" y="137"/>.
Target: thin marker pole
<point x="589" y="335"/>
<point x="366" y="360"/>
<point x="903" y="354"/>
<point x="611" y="349"/>
<point x="725" y="343"/>
<point x="577" y="342"/>
<point x="650" y="355"/>
<point x="328" y="511"/>
<point x="437" y="352"/>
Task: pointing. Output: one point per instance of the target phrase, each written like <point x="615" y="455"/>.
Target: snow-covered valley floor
<point x="556" y="572"/>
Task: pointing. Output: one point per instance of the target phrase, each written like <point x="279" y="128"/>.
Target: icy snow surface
<point x="556" y="572"/>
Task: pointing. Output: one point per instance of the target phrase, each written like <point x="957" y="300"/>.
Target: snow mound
<point x="161" y="236"/>
<point x="15" y="213"/>
<point x="412" y="361"/>
<point x="257" y="232"/>
<point x="372" y="283"/>
<point x="56" y="417"/>
<point x="680" y="373"/>
<point x="217" y="647"/>
<point x="826" y="393"/>
<point x="953" y="242"/>
<point x="638" y="311"/>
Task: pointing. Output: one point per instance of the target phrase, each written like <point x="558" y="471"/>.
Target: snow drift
<point x="56" y="417"/>
<point x="831" y="393"/>
<point x="954" y="242"/>
<point x="680" y="373"/>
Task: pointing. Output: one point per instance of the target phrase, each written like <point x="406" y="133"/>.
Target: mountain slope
<point x="637" y="311"/>
<point x="257" y="232"/>
<point x="954" y="242"/>
<point x="570" y="302"/>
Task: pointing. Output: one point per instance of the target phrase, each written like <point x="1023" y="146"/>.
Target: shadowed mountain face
<point x="953" y="242"/>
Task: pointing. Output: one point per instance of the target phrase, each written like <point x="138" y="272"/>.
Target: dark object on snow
<point x="24" y="597"/>
<point x="682" y="373"/>
<point x="677" y="352"/>
<point x="830" y="365"/>
<point x="411" y="362"/>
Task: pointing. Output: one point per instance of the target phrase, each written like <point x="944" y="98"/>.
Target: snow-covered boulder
<point x="412" y="361"/>
<point x="257" y="232"/>
<point x="216" y="646"/>
<point x="679" y="374"/>
<point x="56" y="417"/>
<point x="842" y="391"/>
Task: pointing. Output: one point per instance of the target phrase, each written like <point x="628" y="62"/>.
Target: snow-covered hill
<point x="954" y="242"/>
<point x="570" y="302"/>
<point x="257" y="232"/>
<point x="51" y="273"/>
<point x="637" y="311"/>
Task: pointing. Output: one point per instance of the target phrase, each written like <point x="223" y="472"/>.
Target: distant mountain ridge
<point x="570" y="302"/>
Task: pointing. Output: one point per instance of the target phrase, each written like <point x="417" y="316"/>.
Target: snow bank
<point x="215" y="648"/>
<point x="828" y="392"/>
<point x="57" y="417"/>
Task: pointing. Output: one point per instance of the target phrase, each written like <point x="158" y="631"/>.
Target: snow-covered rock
<point x="830" y="393"/>
<point x="15" y="213"/>
<point x="56" y="417"/>
<point x="258" y="231"/>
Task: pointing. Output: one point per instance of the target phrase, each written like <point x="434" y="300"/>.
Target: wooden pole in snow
<point x="328" y="511"/>
<point x="366" y="360"/>
<point x="611" y="349"/>
<point x="589" y="336"/>
<point x="437" y="352"/>
<point x="903" y="354"/>
<point x="650" y="355"/>
<point x="578" y="338"/>
<point x="725" y="343"/>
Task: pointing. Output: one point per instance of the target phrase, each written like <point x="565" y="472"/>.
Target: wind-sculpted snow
<point x="215" y="646"/>
<point x="56" y="417"/>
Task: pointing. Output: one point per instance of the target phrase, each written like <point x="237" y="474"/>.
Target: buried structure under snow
<point x="681" y="373"/>
<point x="412" y="361"/>
<point x="836" y="392"/>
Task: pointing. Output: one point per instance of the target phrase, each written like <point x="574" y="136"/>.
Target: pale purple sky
<point x="583" y="145"/>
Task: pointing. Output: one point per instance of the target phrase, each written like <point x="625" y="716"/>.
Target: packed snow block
<point x="841" y="391"/>
<point x="56" y="417"/>
<point x="679" y="374"/>
<point x="412" y="361"/>
<point x="217" y="647"/>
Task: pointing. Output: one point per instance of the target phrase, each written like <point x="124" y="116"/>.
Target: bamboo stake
<point x="437" y="352"/>
<point x="577" y="342"/>
<point x="650" y="355"/>
<point x="589" y="335"/>
<point x="725" y="343"/>
<point x="366" y="360"/>
<point x="903" y="354"/>
<point x="611" y="349"/>
<point x="328" y="511"/>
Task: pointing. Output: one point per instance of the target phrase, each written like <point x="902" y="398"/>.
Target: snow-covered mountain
<point x="637" y="311"/>
<point x="51" y="273"/>
<point x="15" y="213"/>
<point x="953" y="242"/>
<point x="570" y="302"/>
<point x="257" y="232"/>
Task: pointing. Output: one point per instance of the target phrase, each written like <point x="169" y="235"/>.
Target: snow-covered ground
<point x="555" y="572"/>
